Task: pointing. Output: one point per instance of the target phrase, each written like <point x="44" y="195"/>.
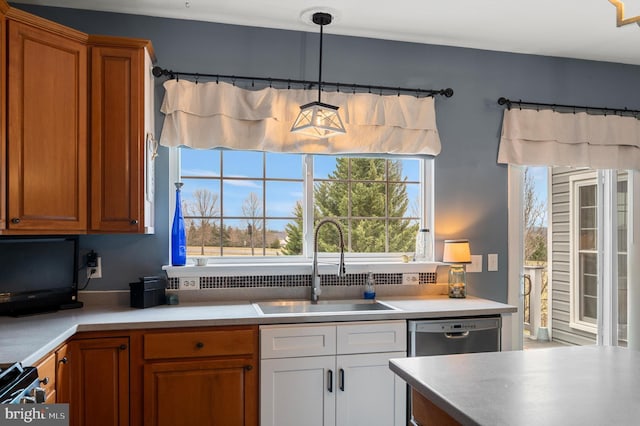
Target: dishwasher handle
<point x="456" y="335"/>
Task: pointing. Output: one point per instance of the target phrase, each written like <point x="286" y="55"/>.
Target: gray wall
<point x="471" y="189"/>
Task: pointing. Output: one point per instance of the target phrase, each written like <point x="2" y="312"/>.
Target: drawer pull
<point x="199" y="345"/>
<point x="64" y="360"/>
<point x="134" y="221"/>
<point x="122" y="347"/>
<point x="45" y="381"/>
<point x="15" y="220"/>
<point x="248" y="367"/>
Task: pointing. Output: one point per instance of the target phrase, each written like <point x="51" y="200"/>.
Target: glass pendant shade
<point x="318" y="120"/>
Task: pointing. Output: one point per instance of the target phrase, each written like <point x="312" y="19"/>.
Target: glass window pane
<point x="323" y="166"/>
<point x="587" y="195"/>
<point x="402" y="235"/>
<point x="331" y="199"/>
<point x="242" y="198"/>
<point x="588" y="217"/>
<point x="590" y="309"/>
<point x="200" y="197"/>
<point x="368" y="199"/>
<point x="284" y="166"/>
<point x="588" y="239"/>
<point x="410" y="169"/>
<point x="362" y="168"/>
<point x="244" y="237"/>
<point x="290" y="234"/>
<point x="242" y="164"/>
<point x="203" y="237"/>
<point x="282" y="198"/>
<point x="329" y="238"/>
<point x="589" y="263"/>
<point x="368" y="236"/>
<point x="199" y="162"/>
<point x="590" y="285"/>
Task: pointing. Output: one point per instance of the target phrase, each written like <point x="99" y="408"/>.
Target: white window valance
<point x="551" y="138"/>
<point x="213" y="115"/>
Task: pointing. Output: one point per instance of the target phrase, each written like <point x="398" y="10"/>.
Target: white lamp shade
<point x="318" y="120"/>
<point x="456" y="251"/>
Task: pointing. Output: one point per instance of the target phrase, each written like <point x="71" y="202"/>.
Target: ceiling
<point x="583" y="29"/>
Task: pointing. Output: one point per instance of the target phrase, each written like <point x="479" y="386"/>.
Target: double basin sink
<point x="323" y="306"/>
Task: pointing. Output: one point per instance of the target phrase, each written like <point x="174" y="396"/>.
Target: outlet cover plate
<point x="98" y="268"/>
<point x="189" y="283"/>
<point x="411" y="278"/>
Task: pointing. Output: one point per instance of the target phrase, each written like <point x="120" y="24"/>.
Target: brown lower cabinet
<point x="167" y="377"/>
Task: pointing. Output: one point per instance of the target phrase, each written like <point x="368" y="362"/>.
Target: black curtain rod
<point x="519" y="103"/>
<point x="448" y="92"/>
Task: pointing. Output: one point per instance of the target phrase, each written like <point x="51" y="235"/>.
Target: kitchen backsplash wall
<point x="471" y="199"/>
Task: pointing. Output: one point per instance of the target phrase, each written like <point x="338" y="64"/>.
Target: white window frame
<point x="356" y="262"/>
<point x="575" y="182"/>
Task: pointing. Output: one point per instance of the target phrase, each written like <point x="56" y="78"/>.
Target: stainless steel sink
<point x="306" y="307"/>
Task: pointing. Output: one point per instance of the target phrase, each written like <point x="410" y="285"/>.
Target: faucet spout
<point x="315" y="277"/>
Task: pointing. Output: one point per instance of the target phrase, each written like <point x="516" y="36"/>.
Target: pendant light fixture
<point x="318" y="119"/>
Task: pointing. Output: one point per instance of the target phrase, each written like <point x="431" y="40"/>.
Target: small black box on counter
<point x="149" y="291"/>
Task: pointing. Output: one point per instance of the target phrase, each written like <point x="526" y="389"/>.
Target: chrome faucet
<point x="315" y="277"/>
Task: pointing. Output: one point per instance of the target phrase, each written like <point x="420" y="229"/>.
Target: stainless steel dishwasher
<point x="454" y="336"/>
<point x="451" y="336"/>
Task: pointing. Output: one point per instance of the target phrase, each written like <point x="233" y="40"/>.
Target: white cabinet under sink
<point x="332" y="374"/>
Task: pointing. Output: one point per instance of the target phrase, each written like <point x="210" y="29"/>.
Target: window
<point x="585" y="212"/>
<point x="246" y="203"/>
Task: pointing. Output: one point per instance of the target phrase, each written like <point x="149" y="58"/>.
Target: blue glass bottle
<point x="178" y="234"/>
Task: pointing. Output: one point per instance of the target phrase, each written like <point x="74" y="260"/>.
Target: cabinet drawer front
<point x="368" y="337"/>
<point x="191" y="344"/>
<point x="308" y="340"/>
<point x="47" y="373"/>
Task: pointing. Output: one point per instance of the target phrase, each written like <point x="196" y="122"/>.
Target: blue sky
<point x="280" y="197"/>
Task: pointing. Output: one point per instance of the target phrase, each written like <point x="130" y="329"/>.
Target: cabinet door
<point x="298" y="391"/>
<point x="368" y="393"/>
<point x="62" y="375"/>
<point x="117" y="139"/>
<point x="99" y="381"/>
<point x="201" y="392"/>
<point x="47" y="131"/>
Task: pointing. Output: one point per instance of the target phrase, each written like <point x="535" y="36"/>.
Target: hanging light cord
<point x="320" y="60"/>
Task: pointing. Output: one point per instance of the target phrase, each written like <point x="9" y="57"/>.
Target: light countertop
<point x="27" y="339"/>
<point x="578" y="385"/>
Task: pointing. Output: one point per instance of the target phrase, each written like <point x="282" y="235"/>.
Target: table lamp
<point x="457" y="252"/>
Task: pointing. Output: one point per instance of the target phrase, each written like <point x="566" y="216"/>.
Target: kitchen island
<point x="581" y="385"/>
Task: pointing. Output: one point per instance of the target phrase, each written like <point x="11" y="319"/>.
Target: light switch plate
<point x="492" y="262"/>
<point x="476" y="263"/>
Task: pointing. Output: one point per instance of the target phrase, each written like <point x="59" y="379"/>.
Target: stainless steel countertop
<point x="578" y="385"/>
<point x="27" y="339"/>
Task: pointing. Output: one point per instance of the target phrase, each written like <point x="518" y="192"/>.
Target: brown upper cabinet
<point x="77" y="129"/>
<point x="121" y="141"/>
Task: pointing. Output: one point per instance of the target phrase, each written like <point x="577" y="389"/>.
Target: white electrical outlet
<point x="411" y="278"/>
<point x="189" y="283"/>
<point x="98" y="270"/>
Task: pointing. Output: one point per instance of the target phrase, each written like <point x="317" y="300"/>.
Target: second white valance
<point x="550" y="138"/>
<point x="212" y="115"/>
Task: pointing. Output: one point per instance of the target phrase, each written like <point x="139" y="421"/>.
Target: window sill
<point x="300" y="268"/>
